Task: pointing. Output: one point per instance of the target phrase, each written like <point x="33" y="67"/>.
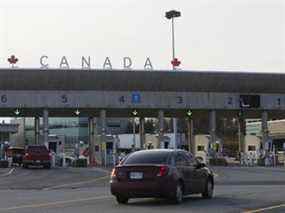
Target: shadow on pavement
<point x="189" y="200"/>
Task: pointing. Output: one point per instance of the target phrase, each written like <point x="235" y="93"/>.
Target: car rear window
<point x="148" y="158"/>
<point x="37" y="149"/>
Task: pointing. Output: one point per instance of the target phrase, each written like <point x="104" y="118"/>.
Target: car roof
<point x="171" y="152"/>
<point x="161" y="151"/>
<point x="155" y="150"/>
<point x="15" y="147"/>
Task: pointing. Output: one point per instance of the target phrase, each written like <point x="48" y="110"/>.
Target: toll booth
<point x="201" y="146"/>
<point x="104" y="151"/>
<point x="6" y="130"/>
<point x="279" y="147"/>
<point x="56" y="143"/>
<point x="56" y="146"/>
<point x="252" y="145"/>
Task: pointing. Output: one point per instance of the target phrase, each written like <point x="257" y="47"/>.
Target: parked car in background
<point x="161" y="173"/>
<point x="69" y="160"/>
<point x="16" y="153"/>
<point x="37" y="155"/>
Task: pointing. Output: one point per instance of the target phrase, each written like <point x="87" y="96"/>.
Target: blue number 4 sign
<point x="136" y="98"/>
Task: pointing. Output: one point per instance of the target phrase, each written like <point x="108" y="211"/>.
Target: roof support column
<point x="190" y="136"/>
<point x="264" y="130"/>
<point x="212" y="126"/>
<point x="92" y="135"/>
<point x="241" y="131"/>
<point x="45" y="126"/>
<point x="103" y="138"/>
<point x="142" y="132"/>
<point x="37" y="130"/>
<point x="161" y="127"/>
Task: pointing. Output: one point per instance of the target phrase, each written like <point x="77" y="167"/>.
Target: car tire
<point x="47" y="166"/>
<point x="178" y="194"/>
<point x="26" y="166"/>
<point x="122" y="199"/>
<point x="208" y="189"/>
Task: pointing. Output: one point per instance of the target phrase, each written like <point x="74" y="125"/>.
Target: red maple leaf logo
<point x="175" y="62"/>
<point x="12" y="60"/>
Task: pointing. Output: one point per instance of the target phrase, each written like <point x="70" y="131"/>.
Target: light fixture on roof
<point x="17" y="112"/>
<point x="189" y="113"/>
<point x="77" y="112"/>
<point x="135" y="112"/>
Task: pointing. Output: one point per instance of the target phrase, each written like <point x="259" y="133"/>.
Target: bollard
<point x="53" y="160"/>
<point x="63" y="160"/>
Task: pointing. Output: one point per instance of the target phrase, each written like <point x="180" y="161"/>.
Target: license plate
<point x="136" y="175"/>
<point x="38" y="161"/>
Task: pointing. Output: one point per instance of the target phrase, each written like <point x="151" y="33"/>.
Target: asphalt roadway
<point x="74" y="190"/>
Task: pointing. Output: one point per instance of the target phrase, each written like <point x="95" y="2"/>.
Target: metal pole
<point x="134" y="134"/>
<point x="173" y="42"/>
<point x="173" y="67"/>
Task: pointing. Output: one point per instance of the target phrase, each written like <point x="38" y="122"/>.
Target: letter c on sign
<point x="42" y="60"/>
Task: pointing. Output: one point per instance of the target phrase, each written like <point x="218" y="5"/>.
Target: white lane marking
<point x="104" y="170"/>
<point x="265" y="209"/>
<point x="77" y="183"/>
<point x="8" y="173"/>
<point x="55" y="203"/>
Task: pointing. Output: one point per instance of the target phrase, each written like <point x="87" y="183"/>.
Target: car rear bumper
<point x="36" y="162"/>
<point x="140" y="189"/>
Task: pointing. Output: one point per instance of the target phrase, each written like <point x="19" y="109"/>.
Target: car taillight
<point x="163" y="170"/>
<point x="26" y="155"/>
<point x="50" y="156"/>
<point x="114" y="173"/>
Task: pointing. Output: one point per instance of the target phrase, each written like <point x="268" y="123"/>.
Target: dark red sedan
<point x="161" y="173"/>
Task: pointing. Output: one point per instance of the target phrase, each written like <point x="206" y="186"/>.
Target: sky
<point x="238" y="35"/>
<point x="227" y="35"/>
